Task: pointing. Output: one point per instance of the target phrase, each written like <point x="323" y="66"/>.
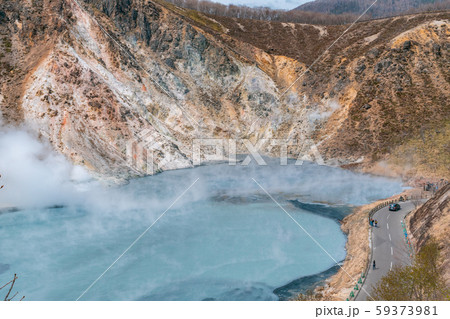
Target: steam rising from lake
<point x="224" y="239"/>
<point x="33" y="174"/>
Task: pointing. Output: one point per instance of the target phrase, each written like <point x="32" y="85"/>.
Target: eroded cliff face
<point x="98" y="86"/>
<point x="92" y="76"/>
<point x="432" y="221"/>
<point x="390" y="77"/>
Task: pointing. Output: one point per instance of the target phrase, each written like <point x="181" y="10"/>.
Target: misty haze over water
<point x="223" y="240"/>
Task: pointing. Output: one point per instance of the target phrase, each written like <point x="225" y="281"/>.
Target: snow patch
<point x="240" y="26"/>
<point x="323" y="32"/>
<point x="372" y="37"/>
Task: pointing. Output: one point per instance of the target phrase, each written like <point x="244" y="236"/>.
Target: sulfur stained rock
<point x="158" y="72"/>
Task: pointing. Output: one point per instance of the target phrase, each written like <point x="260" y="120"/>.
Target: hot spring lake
<point x="224" y="239"/>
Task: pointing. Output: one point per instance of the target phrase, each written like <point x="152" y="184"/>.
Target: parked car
<point x="394" y="207"/>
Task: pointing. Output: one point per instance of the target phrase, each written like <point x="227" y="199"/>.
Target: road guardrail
<point x="354" y="293"/>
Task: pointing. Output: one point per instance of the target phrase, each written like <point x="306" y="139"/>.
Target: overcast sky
<point x="277" y="4"/>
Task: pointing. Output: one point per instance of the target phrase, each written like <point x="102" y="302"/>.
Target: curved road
<point x="389" y="245"/>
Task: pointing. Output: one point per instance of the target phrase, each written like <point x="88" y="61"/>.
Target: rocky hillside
<point x="90" y="76"/>
<point x="382" y="8"/>
<point x="390" y="77"/>
<point x="432" y="220"/>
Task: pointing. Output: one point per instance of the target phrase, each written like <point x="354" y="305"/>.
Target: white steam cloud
<point x="33" y="174"/>
<point x="319" y="115"/>
<point x="209" y="242"/>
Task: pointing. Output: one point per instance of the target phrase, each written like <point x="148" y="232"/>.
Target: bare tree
<point x="263" y="13"/>
<point x="317" y="12"/>
<point x="416" y="198"/>
<point x="11" y="286"/>
<point x="423" y="280"/>
<point x="11" y="282"/>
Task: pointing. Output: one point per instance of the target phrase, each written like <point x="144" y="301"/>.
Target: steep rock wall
<point x="432" y="220"/>
<point x="93" y="76"/>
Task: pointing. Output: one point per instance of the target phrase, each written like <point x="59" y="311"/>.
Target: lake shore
<point x="356" y="227"/>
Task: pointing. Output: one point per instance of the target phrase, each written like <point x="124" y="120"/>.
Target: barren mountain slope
<point x="92" y="75"/>
<point x="432" y="220"/>
<point x="391" y="77"/>
<point x="94" y="88"/>
<point x="382" y="8"/>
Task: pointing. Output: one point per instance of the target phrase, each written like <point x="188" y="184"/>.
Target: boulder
<point x="406" y="45"/>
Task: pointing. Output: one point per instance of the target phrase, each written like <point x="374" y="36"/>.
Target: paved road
<point x="389" y="246"/>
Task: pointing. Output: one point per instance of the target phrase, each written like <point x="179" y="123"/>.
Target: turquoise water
<point x="223" y="240"/>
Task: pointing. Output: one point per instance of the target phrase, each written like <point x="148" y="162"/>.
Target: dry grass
<point x="196" y="16"/>
<point x="432" y="220"/>
<point x="428" y="153"/>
